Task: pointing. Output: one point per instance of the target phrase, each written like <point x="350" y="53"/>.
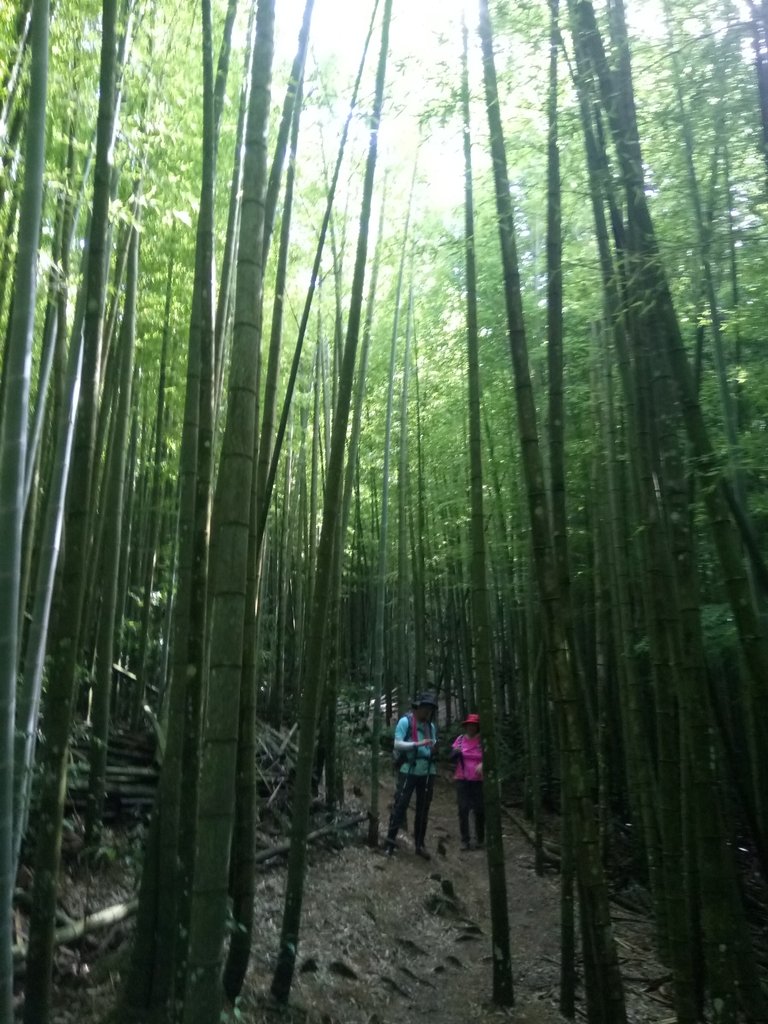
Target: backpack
<point x="399" y="757"/>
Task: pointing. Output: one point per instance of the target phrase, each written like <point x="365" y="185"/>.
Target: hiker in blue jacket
<point x="415" y="741"/>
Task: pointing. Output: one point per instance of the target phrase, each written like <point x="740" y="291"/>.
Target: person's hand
<point x="426" y="743"/>
<point x="479" y="770"/>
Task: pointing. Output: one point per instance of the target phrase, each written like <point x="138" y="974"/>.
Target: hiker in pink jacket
<point x="467" y="755"/>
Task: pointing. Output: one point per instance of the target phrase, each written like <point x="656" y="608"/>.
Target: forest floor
<point x="381" y="943"/>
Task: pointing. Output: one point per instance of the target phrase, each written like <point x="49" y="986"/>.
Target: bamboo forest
<point x="384" y="511"/>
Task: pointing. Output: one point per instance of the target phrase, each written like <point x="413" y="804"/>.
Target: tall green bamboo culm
<point x="115" y="483"/>
<point x="64" y="639"/>
<point x="17" y="370"/>
<point x="313" y="282"/>
<point x="156" y="977"/>
<point x="231" y="532"/>
<point x="503" y="990"/>
<point x="316" y="640"/>
<point x="605" y="998"/>
<point x="378" y="654"/>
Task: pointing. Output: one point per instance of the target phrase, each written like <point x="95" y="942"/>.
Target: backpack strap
<point x="413" y="754"/>
<point x="429" y="727"/>
<point x="460" y="751"/>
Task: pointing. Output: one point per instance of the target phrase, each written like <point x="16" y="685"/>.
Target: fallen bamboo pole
<point x="76" y="929"/>
<point x="111" y="915"/>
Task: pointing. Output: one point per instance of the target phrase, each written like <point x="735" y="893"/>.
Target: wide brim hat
<point x="472" y="720"/>
<point x="425" y="698"/>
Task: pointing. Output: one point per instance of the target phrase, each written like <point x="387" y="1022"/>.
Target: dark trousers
<point x="407" y="784"/>
<point x="470" y="798"/>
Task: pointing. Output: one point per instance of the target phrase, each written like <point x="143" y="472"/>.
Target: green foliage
<point x="719" y="632"/>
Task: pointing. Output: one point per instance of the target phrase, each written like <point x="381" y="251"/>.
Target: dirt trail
<point x="381" y="943"/>
<point x="372" y="952"/>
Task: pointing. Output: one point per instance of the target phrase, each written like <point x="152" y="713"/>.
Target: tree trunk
<point x="377" y="653"/>
<point x="503" y="990"/>
<point x="291" y="106"/>
<point x="314" y="656"/>
<point x="201" y="341"/>
<point x="113" y="513"/>
<point x="155" y="512"/>
<point x="159" y="949"/>
<point x="716" y="492"/>
<point x="556" y="432"/>
<point x="230" y="544"/>
<point x="314" y="278"/>
<point x="64" y="643"/>
<point x="606" y="998"/>
<point x="404" y="616"/>
<point x="265" y="443"/>
<point x="13" y="440"/>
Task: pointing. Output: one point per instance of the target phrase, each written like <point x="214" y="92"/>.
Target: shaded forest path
<point x="381" y="943"/>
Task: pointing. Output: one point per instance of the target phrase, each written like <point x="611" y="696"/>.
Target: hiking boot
<point x="390" y="849"/>
<point x="465" y="847"/>
<point x="479" y="845"/>
<point x="423" y="852"/>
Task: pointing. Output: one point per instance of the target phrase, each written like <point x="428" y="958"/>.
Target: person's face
<point x="471" y="729"/>
<point x="423" y="712"/>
